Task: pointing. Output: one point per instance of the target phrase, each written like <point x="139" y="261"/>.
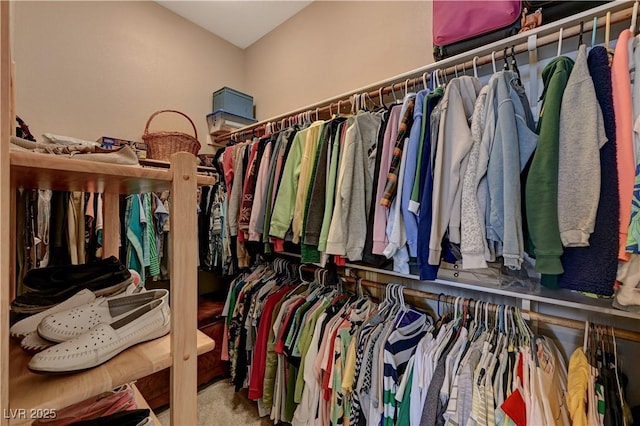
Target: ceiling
<point x="240" y="22"/>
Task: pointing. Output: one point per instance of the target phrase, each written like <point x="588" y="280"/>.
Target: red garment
<point x="339" y="260"/>
<point x="258" y="365"/>
<point x="329" y="367"/>
<point x="514" y="406"/>
<point x="278" y="244"/>
<point x="227" y="166"/>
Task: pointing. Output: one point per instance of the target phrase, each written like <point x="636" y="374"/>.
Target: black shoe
<point x="103" y="284"/>
<point x="47" y="278"/>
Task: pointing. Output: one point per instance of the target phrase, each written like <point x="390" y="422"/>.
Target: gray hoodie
<point x="581" y="137"/>
<point x="453" y="144"/>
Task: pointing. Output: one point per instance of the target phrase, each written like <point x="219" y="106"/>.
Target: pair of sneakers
<point x="86" y="331"/>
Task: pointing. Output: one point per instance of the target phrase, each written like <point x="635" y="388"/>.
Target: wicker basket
<point x="160" y="145"/>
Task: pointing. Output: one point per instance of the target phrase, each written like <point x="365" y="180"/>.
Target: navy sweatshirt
<point x="593" y="269"/>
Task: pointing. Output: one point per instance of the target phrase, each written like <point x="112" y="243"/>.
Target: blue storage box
<point x="223" y="122"/>
<point x="234" y="102"/>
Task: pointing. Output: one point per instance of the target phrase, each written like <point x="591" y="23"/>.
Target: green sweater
<point x="283" y="208"/>
<point x="541" y="190"/>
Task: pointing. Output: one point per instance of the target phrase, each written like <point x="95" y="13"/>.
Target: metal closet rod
<point x="331" y="105"/>
<point x="632" y="336"/>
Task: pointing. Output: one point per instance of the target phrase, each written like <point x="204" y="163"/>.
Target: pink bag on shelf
<point x="454" y="21"/>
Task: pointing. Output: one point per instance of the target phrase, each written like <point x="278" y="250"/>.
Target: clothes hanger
<point x="317" y="114"/>
<point x="585" y="339"/>
<point x="514" y="63"/>
<point x="403" y="306"/>
<point x="505" y="67"/>
<point x="493" y="61"/>
<point x="561" y="32"/>
<point x="373" y="103"/>
<point x="406" y="87"/>
<point x="594" y="31"/>
<point x="424" y="81"/>
<point x="393" y="92"/>
<point x="634" y="18"/>
<point x="486" y="314"/>
<point x="513" y="324"/>
<point x="455" y="70"/>
<point x="381" y="98"/>
<point x="607" y="31"/>
<point x="438" y="305"/>
<point x="580" y="43"/>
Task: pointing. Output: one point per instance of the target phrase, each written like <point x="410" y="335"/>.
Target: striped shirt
<point x="398" y="349"/>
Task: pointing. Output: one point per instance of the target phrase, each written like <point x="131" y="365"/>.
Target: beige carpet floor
<point x="219" y="405"/>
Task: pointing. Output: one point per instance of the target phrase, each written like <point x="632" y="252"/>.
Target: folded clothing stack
<point x="116" y="407"/>
<point x="88" y="328"/>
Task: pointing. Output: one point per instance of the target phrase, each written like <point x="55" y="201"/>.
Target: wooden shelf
<point x="28" y="390"/>
<point x="44" y="171"/>
<point x="142" y="403"/>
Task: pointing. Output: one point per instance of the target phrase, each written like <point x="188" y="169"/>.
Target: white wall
<point x="332" y="47"/>
<point x="92" y="69"/>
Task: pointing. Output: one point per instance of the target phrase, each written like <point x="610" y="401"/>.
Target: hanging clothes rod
<point x="632" y="336"/>
<point x="451" y="65"/>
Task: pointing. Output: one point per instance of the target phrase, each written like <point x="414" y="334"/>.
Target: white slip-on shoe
<point x="29" y="324"/>
<point x="32" y="343"/>
<point x="68" y="324"/>
<point x="105" y="341"/>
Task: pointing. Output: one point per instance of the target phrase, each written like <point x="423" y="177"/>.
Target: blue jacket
<point x="513" y="145"/>
<point x="427" y="272"/>
<point x="411" y="152"/>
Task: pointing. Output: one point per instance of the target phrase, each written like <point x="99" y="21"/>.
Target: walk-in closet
<point x="319" y="213"/>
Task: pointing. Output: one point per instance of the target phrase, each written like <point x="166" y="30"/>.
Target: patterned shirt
<point x="391" y="187"/>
